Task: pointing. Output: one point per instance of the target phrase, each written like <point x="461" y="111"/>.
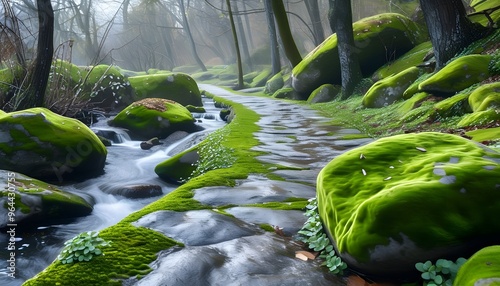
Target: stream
<point x="126" y="164"/>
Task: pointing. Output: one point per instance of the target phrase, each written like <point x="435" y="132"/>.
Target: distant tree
<point x="289" y="46"/>
<point x="275" y="56"/>
<point x="313" y="11"/>
<point x="449" y="28"/>
<point x="340" y="17"/>
<point x="236" y="45"/>
<point x="190" y="36"/>
<point x="33" y="95"/>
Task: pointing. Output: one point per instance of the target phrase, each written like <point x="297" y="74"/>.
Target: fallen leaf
<point x="309" y="255"/>
<point x="421" y="149"/>
<point x="301" y="256"/>
<point x="363" y="171"/>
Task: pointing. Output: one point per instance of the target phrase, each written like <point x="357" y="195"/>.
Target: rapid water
<point x="126" y="164"/>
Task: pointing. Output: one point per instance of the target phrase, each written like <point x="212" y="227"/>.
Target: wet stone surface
<point x="232" y="249"/>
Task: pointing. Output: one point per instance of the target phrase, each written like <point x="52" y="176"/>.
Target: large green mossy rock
<point x="410" y="59"/>
<point x="485" y="97"/>
<point x="154" y="117"/>
<point x="378" y="40"/>
<point x="37" y="203"/>
<point x="45" y="145"/>
<point x="480" y="118"/>
<point x="101" y="86"/>
<point x="324" y="93"/>
<point x="178" y="168"/>
<point x="178" y="87"/>
<point x="390" y="89"/>
<point x="274" y="84"/>
<point x="458" y="75"/>
<point x="410" y="198"/>
<point x="482" y="269"/>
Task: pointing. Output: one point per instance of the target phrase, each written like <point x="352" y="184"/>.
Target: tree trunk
<point x="349" y="63"/>
<point x="39" y="75"/>
<point x="275" y="55"/>
<point x="449" y="28"/>
<point x="291" y="51"/>
<point x="190" y="36"/>
<point x="236" y="45"/>
<point x="313" y="11"/>
<point x="241" y="31"/>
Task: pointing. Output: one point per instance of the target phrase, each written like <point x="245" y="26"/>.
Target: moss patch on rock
<point x="37" y="202"/>
<point x="456" y="105"/>
<point x="407" y="198"/>
<point x="274" y="83"/>
<point x="378" y="40"/>
<point x="178" y="87"/>
<point x="42" y="144"/>
<point x="390" y="89"/>
<point x="458" y="75"/>
<point x="480" y="118"/>
<point x="154" y="117"/>
<point x="483" y="268"/>
<point x="485" y="97"/>
<point x="324" y="93"/>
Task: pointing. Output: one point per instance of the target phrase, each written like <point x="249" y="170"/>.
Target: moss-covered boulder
<point x="410" y="198"/>
<point x="102" y="86"/>
<point x="390" y="89"/>
<point x="485" y="97"/>
<point x="324" y="93"/>
<point x="154" y="117"/>
<point x="178" y="168"/>
<point x="457" y="105"/>
<point x="410" y="59"/>
<point x="483" y="268"/>
<point x="274" y="83"/>
<point x="178" y="87"/>
<point x="458" y="75"/>
<point x="378" y="40"/>
<point x="480" y="118"/>
<point x="262" y="77"/>
<point x="45" y="145"/>
<point x="34" y="202"/>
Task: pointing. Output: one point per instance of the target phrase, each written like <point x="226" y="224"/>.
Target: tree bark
<point x="241" y="31"/>
<point x="236" y="45"/>
<point x="313" y="11"/>
<point x="291" y="51"/>
<point x="449" y="28"/>
<point x="39" y="75"/>
<point x="190" y="36"/>
<point x="275" y="56"/>
<point x="349" y="63"/>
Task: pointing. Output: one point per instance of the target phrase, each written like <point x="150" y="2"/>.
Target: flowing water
<point x="126" y="164"/>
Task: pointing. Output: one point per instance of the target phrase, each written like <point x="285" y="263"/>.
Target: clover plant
<point x="314" y="236"/>
<point x="442" y="273"/>
<point x="82" y="247"/>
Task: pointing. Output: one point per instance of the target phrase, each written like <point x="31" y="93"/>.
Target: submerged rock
<point x="410" y="198"/>
<point x="137" y="191"/>
<point x="154" y="117"/>
<point x="42" y="144"/>
<point x="179" y="168"/>
<point x="37" y="203"/>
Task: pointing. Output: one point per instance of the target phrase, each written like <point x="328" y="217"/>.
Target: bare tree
<point x="291" y="51"/>
<point x="275" y="57"/>
<point x="313" y="11"/>
<point x="236" y="45"/>
<point x="190" y="36"/>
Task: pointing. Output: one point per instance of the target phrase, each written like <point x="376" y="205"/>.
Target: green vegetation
<point x="313" y="235"/>
<point x="443" y="273"/>
<point x="82" y="247"/>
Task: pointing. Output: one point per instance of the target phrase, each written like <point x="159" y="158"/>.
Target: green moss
<point x="179" y="168"/>
<point x="285" y="92"/>
<point x="386" y="193"/>
<point x="488" y="134"/>
<point x="178" y="87"/>
<point x="412" y="103"/>
<point x="274" y="83"/>
<point x="390" y="89"/>
<point x="456" y="105"/>
<point x="132" y="250"/>
<point x="371" y="36"/>
<point x="481" y="5"/>
<point x="480" y="118"/>
<point x="262" y="77"/>
<point x="154" y="117"/>
<point x="412" y="58"/>
<point x="485" y="97"/>
<point x="291" y="205"/>
<point x="457" y="75"/>
<point x="324" y="93"/>
<point x="266" y="227"/>
<point x="483" y="268"/>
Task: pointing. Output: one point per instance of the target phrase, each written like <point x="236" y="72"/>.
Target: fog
<point x="145" y="34"/>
